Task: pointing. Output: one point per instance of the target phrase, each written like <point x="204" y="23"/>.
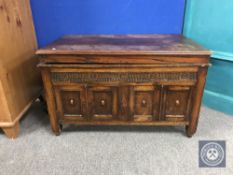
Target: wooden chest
<point x="124" y="80"/>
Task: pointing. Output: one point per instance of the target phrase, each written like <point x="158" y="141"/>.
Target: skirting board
<point x="218" y="101"/>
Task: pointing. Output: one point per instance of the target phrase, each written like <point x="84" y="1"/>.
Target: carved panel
<point x="143" y="102"/>
<point x="177" y="101"/>
<point x="71" y="102"/>
<point x="102" y="103"/>
<point x="128" y="77"/>
<point x="146" y="100"/>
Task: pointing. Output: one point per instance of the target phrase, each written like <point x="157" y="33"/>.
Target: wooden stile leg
<point x="191" y="129"/>
<point x="188" y="133"/>
<point x="12" y="132"/>
<point x="50" y="102"/>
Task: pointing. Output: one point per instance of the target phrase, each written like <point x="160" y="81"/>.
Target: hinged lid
<point x="121" y="45"/>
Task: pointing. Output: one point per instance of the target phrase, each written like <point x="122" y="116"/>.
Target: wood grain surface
<point x="151" y="44"/>
<point x="20" y="79"/>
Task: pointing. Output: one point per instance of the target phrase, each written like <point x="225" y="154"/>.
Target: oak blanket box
<point x="124" y="80"/>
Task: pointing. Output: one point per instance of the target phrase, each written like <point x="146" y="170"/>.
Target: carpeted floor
<point x="112" y="150"/>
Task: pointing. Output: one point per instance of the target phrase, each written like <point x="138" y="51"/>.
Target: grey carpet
<point x="112" y="150"/>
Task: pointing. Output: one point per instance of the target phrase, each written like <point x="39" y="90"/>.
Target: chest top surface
<point x="151" y="44"/>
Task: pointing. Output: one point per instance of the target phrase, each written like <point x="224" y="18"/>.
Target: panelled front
<point x="146" y="101"/>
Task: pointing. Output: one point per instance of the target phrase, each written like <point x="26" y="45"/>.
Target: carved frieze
<point x="127" y="77"/>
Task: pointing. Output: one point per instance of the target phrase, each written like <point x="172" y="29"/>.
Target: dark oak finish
<point x="124" y="80"/>
<point x="125" y="45"/>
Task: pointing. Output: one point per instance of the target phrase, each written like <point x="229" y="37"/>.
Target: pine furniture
<point x="20" y="80"/>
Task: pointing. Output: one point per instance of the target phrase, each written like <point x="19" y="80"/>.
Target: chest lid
<point x="82" y="48"/>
